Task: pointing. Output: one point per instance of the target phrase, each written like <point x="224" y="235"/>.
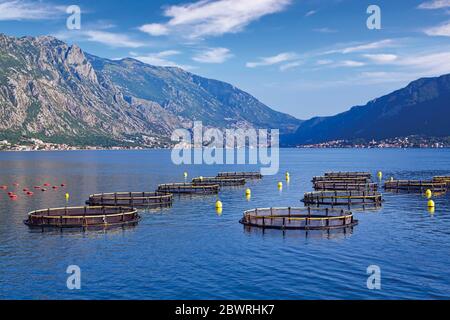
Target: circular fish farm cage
<point x="342" y="179"/>
<point x="343" y="198"/>
<point x="239" y="175"/>
<point x="188" y="188"/>
<point x="75" y="217"/>
<point x="131" y="199"/>
<point x="344" y="186"/>
<point x="442" y="179"/>
<point x="231" y="182"/>
<point x="298" y="218"/>
<point x="339" y="175"/>
<point x="415" y="186"/>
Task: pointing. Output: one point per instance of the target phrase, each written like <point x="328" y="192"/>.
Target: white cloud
<point x="365" y="47"/>
<point x="290" y="65"/>
<point x="213" y="55"/>
<point x="435" y="4"/>
<point x="381" y="58"/>
<point x="26" y="10"/>
<point x="442" y="30"/>
<point x="310" y="13"/>
<point x="160" y="59"/>
<point x="350" y="64"/>
<point x="324" y="62"/>
<point x="112" y="39"/>
<point x="268" y="61"/>
<point x="325" y="30"/>
<point x="155" y="29"/>
<point x="213" y="18"/>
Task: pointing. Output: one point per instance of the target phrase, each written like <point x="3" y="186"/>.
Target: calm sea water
<point x="191" y="252"/>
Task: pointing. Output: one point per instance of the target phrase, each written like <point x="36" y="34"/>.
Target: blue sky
<point x="306" y="58"/>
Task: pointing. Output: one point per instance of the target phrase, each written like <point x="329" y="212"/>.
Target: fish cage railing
<point x="343" y="198"/>
<point x="245" y="175"/>
<point x="219" y="181"/>
<point x="442" y="179"/>
<point x="415" y="186"/>
<point x="344" y="186"/>
<point x="367" y="175"/>
<point x="341" y="179"/>
<point x="298" y="218"/>
<point x="188" y="188"/>
<point x="132" y="199"/>
<point x="88" y="216"/>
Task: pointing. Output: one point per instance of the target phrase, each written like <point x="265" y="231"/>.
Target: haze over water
<point x="190" y="252"/>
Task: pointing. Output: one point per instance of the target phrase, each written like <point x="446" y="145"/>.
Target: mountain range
<point x="421" y="108"/>
<point x="55" y="92"/>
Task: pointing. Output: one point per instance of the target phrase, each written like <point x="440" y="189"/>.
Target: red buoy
<point x="10" y="193"/>
<point x="25" y="189"/>
<point x="29" y="193"/>
<point x="13" y="197"/>
<point x="63" y="185"/>
<point x="3" y="187"/>
<point x="46" y="184"/>
<point x="54" y="187"/>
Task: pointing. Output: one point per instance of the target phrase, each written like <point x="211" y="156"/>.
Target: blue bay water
<point x="190" y="252"/>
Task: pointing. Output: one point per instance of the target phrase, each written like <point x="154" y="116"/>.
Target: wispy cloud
<point x="160" y="59"/>
<point x="310" y="13"/>
<point x="213" y="18"/>
<point x="325" y="30"/>
<point x="442" y="30"/>
<point x="213" y="55"/>
<point x="364" y="47"/>
<point x="381" y="58"/>
<point x="27" y="10"/>
<point x="99" y="35"/>
<point x="290" y="65"/>
<point x="269" y="61"/>
<point x="350" y="64"/>
<point x="435" y="4"/>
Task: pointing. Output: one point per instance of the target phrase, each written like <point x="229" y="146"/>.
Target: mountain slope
<point x="56" y="92"/>
<point x="192" y="97"/>
<point x="421" y="108"/>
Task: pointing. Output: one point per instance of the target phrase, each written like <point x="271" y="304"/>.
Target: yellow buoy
<point x="431" y="204"/>
<point x="185" y="175"/>
<point x="248" y="192"/>
<point x="219" y="211"/>
<point x="219" y="204"/>
<point x="67" y="196"/>
<point x="432" y="210"/>
<point x="380" y="175"/>
<point x="280" y="185"/>
<point x="248" y="197"/>
<point x="428" y="194"/>
<point x="288" y="175"/>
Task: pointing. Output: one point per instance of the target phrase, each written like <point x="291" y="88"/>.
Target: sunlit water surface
<point x="190" y="252"/>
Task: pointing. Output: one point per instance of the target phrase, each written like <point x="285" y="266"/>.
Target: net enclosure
<point x="343" y="198"/>
<point x="334" y="175"/>
<point x="344" y="186"/>
<point x="188" y="188"/>
<point x="442" y="179"/>
<point x="342" y="179"/>
<point x="219" y="181"/>
<point x="298" y="218"/>
<point x="131" y="199"/>
<point x="239" y="175"/>
<point x="89" y="216"/>
<point x="415" y="186"/>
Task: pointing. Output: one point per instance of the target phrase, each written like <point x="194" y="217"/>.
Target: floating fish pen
<point x="131" y="199"/>
<point x="442" y="179"/>
<point x="342" y="179"/>
<point x="344" y="186"/>
<point x="188" y="188"/>
<point x="298" y="218"/>
<point x="340" y="175"/>
<point x="239" y="175"/>
<point x="75" y="217"/>
<point x="415" y="186"/>
<point x="219" y="181"/>
<point x="343" y="198"/>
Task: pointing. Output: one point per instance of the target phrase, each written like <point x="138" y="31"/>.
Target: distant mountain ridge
<point x="56" y="92"/>
<point x="421" y="108"/>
